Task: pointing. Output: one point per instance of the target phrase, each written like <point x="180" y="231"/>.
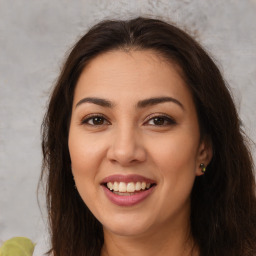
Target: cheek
<point x="83" y="169"/>
<point x="175" y="153"/>
<point x="175" y="159"/>
<point x="85" y="152"/>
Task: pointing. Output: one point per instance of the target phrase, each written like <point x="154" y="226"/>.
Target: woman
<point x="143" y="149"/>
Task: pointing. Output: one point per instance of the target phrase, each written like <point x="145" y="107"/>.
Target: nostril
<point x="126" y="151"/>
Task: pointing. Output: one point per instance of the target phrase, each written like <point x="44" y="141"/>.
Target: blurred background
<point x="35" y="37"/>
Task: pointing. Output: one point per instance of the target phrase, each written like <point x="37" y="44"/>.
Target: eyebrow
<point x="97" y="101"/>
<point x="157" y="100"/>
<point x="140" y="104"/>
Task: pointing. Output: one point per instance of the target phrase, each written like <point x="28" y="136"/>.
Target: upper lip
<point x="127" y="178"/>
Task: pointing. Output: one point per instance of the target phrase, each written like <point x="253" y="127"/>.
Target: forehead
<point x="132" y="74"/>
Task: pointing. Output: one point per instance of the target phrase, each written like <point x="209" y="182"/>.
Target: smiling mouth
<point x="128" y="189"/>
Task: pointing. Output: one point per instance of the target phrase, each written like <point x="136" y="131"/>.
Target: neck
<point x="175" y="241"/>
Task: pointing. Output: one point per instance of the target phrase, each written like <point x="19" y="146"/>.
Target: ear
<point x="204" y="155"/>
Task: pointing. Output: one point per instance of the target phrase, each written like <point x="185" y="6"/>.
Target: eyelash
<point x="94" y="116"/>
<point x="168" y="121"/>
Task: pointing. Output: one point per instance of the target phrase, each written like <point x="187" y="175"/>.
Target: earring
<point x="203" y="168"/>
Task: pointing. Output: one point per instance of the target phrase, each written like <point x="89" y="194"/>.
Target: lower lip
<point x="127" y="200"/>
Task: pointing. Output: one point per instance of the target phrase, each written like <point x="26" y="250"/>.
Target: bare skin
<point x="134" y="115"/>
<point x="166" y="242"/>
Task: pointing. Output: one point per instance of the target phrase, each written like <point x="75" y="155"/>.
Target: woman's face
<point x="134" y="142"/>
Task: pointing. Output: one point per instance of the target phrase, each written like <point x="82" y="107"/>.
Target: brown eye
<point x="95" y="121"/>
<point x="158" y="121"/>
<point x="161" y="121"/>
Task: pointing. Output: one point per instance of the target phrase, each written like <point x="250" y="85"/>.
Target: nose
<point x="126" y="147"/>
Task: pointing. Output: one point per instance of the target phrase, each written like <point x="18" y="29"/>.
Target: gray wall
<point x="34" y="36"/>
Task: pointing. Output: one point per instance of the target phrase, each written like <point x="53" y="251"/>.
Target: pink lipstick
<point x="127" y="190"/>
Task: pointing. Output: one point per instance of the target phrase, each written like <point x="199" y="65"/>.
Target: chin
<point x="127" y="227"/>
<point x="126" y="230"/>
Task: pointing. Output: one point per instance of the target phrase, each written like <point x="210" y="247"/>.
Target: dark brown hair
<point x="223" y="202"/>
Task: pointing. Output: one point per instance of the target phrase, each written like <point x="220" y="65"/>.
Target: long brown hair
<point x="223" y="202"/>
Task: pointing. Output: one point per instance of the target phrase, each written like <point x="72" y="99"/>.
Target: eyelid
<point x="85" y="119"/>
<point x="171" y="120"/>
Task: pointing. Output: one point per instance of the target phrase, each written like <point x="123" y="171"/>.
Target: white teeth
<point x="116" y="186"/>
<point x="122" y="187"/>
<point x="138" y="186"/>
<point x="110" y="185"/>
<point x="130" y="187"/>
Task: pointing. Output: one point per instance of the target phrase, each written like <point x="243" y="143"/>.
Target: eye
<point x="160" y="120"/>
<point x="95" y="120"/>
